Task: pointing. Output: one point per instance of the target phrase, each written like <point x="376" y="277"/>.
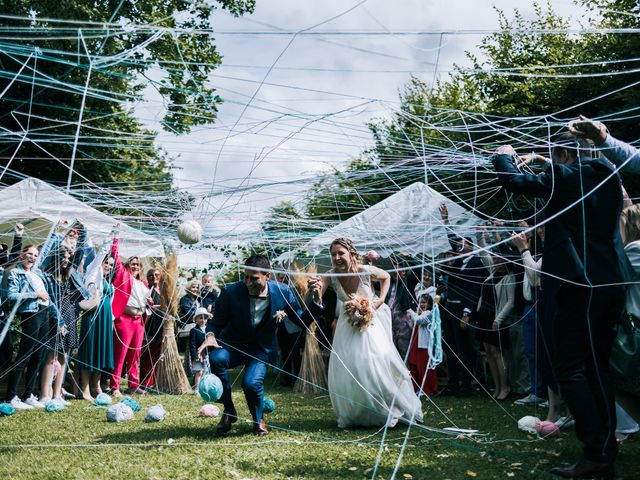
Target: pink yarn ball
<point x="547" y="429"/>
<point x="372" y="255"/>
<point x="209" y="410"/>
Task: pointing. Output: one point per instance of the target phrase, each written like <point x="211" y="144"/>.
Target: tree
<point x="68" y="62"/>
<point x="525" y="83"/>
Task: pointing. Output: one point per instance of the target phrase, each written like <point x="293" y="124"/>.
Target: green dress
<point x="96" y="335"/>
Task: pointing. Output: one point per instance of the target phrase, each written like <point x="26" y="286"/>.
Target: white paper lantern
<point x="190" y="232"/>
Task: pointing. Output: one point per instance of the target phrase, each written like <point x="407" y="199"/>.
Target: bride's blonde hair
<point x="348" y="245"/>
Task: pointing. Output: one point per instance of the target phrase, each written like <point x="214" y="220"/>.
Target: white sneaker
<point x="530" y="399"/>
<point x="33" y="401"/>
<point x="62" y="401"/>
<point x="19" y="404"/>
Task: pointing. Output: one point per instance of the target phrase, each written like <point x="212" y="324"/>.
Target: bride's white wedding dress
<point x="369" y="384"/>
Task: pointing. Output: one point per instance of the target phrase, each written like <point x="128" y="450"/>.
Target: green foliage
<point x="71" y="44"/>
<point x="519" y="72"/>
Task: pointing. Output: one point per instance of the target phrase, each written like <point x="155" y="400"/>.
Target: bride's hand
<point x="377" y="303"/>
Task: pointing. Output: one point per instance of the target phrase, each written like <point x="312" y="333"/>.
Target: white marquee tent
<point x="407" y="221"/>
<point x="38" y="205"/>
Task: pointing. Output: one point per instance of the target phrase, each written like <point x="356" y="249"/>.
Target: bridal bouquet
<point x="359" y="312"/>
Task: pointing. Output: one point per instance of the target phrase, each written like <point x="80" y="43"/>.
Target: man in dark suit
<point x="583" y="248"/>
<point x="243" y="332"/>
<point x="466" y="275"/>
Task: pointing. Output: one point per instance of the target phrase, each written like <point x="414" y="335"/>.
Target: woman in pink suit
<point x="130" y="301"/>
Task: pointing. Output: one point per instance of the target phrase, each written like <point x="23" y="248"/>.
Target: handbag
<point x="625" y="354"/>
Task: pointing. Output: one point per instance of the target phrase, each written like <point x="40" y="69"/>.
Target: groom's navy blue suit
<point x="245" y="344"/>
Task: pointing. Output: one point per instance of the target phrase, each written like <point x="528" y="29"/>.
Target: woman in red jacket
<point x="130" y="301"/>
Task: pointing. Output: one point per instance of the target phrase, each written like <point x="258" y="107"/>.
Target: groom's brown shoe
<point x="228" y="418"/>
<point x="260" y="429"/>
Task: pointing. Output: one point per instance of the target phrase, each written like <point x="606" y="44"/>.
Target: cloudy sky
<point x="296" y="105"/>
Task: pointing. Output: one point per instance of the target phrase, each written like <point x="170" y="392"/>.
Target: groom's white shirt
<point x="258" y="306"/>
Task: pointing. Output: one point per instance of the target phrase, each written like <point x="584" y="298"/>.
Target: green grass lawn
<point x="304" y="442"/>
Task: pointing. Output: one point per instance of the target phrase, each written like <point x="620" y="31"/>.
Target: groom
<point x="243" y="332"/>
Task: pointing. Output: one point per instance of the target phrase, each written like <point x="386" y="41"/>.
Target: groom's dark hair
<point x="258" y="262"/>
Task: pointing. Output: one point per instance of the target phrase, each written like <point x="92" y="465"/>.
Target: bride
<point x="369" y="384"/>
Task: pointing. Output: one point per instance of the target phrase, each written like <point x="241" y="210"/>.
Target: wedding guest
<point x="586" y="252"/>
<point x="130" y="301"/>
<point x="29" y="288"/>
<point x="628" y="388"/>
<point x="8" y="258"/>
<point x="95" y="354"/>
<point x="65" y="295"/>
<point x="196" y="337"/>
<point x="208" y="294"/>
<point x="465" y="276"/>
<point x="189" y="303"/>
<point x="495" y="314"/>
<point x="152" y="344"/>
<point x="425" y="380"/>
<point x="400" y="299"/>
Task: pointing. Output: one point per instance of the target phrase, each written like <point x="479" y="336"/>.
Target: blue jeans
<point x="533" y="350"/>
<point x="252" y="382"/>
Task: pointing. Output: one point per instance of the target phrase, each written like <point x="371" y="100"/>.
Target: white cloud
<point x="292" y="127"/>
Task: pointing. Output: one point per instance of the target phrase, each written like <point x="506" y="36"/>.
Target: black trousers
<point x="583" y="334"/>
<point x="6" y="347"/>
<point x="458" y="348"/>
<point x="35" y="333"/>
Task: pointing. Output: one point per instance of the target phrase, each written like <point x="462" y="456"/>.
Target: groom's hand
<point x="209" y="341"/>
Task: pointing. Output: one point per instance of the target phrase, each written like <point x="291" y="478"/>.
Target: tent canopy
<point x="38" y="205"/>
<point x="407" y="221"/>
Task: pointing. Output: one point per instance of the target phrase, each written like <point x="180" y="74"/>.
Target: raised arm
<point x="532" y="267"/>
<point x="16" y="248"/>
<point x="511" y="179"/>
<point x="621" y="154"/>
<point x="454" y="239"/>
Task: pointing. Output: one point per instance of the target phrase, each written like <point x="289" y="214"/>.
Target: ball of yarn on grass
<point x="268" y="405"/>
<point x="155" y="414"/>
<point x="6" y="410"/>
<point x="102" y="399"/>
<point x="547" y="429"/>
<point x="190" y="232"/>
<point x="119" y="412"/>
<point x="209" y="410"/>
<point x="135" y="406"/>
<point x="210" y="388"/>
<point x="54" y="405"/>
<point x="528" y="424"/>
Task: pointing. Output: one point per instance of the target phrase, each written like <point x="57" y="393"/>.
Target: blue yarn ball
<point x="210" y="388"/>
<point x="54" y="406"/>
<point x="6" y="410"/>
<point x="102" y="399"/>
<point x="155" y="414"/>
<point x="131" y="403"/>
<point x="268" y="405"/>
